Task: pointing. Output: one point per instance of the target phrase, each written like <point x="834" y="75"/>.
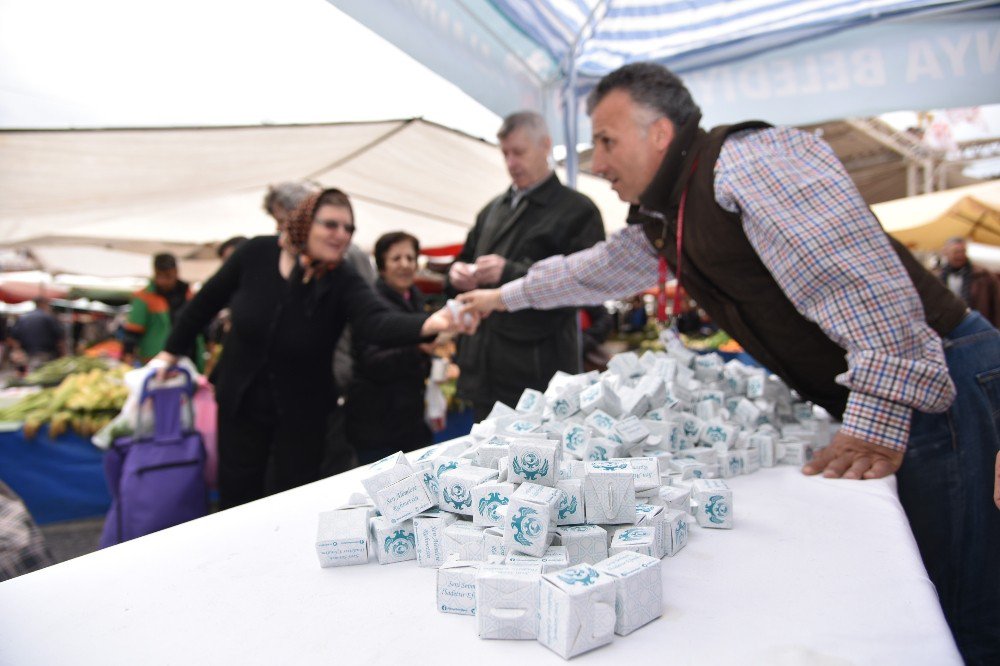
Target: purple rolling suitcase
<point x="156" y="481"/>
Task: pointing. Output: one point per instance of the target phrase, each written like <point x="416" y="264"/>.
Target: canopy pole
<point x="571" y="125"/>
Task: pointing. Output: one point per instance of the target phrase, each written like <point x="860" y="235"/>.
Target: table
<point x="58" y="479"/>
<point x="816" y="571"/>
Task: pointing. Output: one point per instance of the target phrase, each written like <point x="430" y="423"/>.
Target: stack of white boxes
<point x="550" y="520"/>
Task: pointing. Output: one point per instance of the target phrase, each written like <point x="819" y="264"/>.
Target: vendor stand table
<point x="816" y="571"/>
<point x="58" y="479"/>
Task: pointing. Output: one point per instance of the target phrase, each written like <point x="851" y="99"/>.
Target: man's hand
<point x="483" y="301"/>
<point x="996" y="482"/>
<point x="462" y="276"/>
<point x="489" y="268"/>
<point x="848" y="457"/>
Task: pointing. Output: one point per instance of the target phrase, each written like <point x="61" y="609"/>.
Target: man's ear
<point x="547" y="143"/>
<point x="662" y="133"/>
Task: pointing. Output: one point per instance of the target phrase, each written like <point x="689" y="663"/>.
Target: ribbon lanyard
<point x="661" y="296"/>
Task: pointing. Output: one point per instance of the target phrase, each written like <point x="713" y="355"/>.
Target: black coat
<point x="283" y="331"/>
<point x="385" y="401"/>
<point x="517" y="350"/>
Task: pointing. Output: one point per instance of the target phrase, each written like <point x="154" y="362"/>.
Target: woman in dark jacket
<point x="289" y="305"/>
<point x="385" y="402"/>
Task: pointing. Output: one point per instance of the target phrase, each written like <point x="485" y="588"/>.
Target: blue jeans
<point x="946" y="488"/>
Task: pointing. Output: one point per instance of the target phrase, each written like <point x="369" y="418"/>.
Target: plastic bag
<point x="131" y="419"/>
<point x="435" y="407"/>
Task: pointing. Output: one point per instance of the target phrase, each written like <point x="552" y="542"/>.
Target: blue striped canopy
<point x="785" y="61"/>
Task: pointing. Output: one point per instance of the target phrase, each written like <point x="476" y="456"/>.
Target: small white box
<point x="574" y="439"/>
<point x="689" y="468"/>
<point x="730" y="464"/>
<point x="631" y="431"/>
<point x="609" y="492"/>
<point x="521" y="426"/>
<point x="708" y="367"/>
<point x="674" y="497"/>
<point x="602" y="422"/>
<point x="493" y="548"/>
<point x="553" y="559"/>
<point x="600" y="396"/>
<point x="571" y="469"/>
<point x="463" y="541"/>
<point x="457" y="485"/>
<point x="654" y="388"/>
<point x="675" y="526"/>
<point x="429" y="529"/>
<point x="584" y="543"/>
<point x="634" y="402"/>
<point x="530" y="523"/>
<point x="456" y="587"/>
<point x="713" y="502"/>
<point x="576" y="610"/>
<point x="499" y="410"/>
<point x="646" y="472"/>
<point x="566" y="403"/>
<point x="531" y="402"/>
<point x="571" y="507"/>
<point x="793" y="451"/>
<point x="639" y="589"/>
<point x="717" y="435"/>
<point x="626" y="364"/>
<point x="489" y="502"/>
<point x="393" y="542"/>
<point x="383" y="473"/>
<point x="491" y="450"/>
<point x="751" y="460"/>
<point x="600" y="448"/>
<point x="638" y="539"/>
<point x="507" y="601"/>
<point x="405" y="498"/>
<point x="534" y="461"/>
<point x="342" y="537"/>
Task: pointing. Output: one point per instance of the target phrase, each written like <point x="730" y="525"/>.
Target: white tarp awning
<point x="154" y="189"/>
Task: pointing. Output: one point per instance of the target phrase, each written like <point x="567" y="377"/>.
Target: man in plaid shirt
<point x="781" y="250"/>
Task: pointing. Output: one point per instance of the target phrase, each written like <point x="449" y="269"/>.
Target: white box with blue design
<point x="571" y="508"/>
<point x="342" y="537"/>
<point x="456" y="487"/>
<point x="575" y="438"/>
<point x="638" y="589"/>
<point x="534" y="461"/>
<point x="554" y="558"/>
<point x="489" y="502"/>
<point x="464" y="541"/>
<point x="584" y="543"/>
<point x="675" y="526"/>
<point x="713" y="503"/>
<point x="531" y="402"/>
<point x="601" y="448"/>
<point x="507" y="601"/>
<point x="638" y="539"/>
<point x="393" y="542"/>
<point x="576" y="610"/>
<point x="385" y="472"/>
<point x="456" y="587"/>
<point x="429" y="528"/>
<point x="405" y="498"/>
<point x="609" y="492"/>
<point x="531" y="519"/>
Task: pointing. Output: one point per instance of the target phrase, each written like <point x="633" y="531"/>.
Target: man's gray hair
<point x="288" y="195"/>
<point x="531" y="121"/>
<point x="956" y="239"/>
<point x="650" y="85"/>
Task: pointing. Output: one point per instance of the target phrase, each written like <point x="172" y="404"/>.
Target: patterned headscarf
<point x="300" y="222"/>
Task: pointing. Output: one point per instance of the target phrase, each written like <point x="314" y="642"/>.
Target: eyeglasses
<point x="333" y="225"/>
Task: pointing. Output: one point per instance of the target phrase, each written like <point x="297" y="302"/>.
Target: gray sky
<point x="119" y="63"/>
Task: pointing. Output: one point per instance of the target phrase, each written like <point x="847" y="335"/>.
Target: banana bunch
<point x="85" y="402"/>
<point x="56" y="371"/>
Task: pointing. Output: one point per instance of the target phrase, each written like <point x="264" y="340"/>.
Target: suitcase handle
<point x="189" y="387"/>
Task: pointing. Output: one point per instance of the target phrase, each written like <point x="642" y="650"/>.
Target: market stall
<point x="815" y="571"/>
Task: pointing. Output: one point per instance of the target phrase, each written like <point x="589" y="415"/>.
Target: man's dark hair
<point x="233" y="243"/>
<point x="651" y="85"/>
<point x="386" y="241"/>
<point x="164" y="261"/>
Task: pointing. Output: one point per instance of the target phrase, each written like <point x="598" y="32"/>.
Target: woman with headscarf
<point x="385" y="401"/>
<point x="289" y="304"/>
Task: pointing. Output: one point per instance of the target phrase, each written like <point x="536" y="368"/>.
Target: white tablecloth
<point x="816" y="572"/>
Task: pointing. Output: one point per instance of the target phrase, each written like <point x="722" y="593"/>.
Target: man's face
<point x="629" y="144"/>
<point x="526" y="157"/>
<point x="165" y="280"/>
<point x="954" y="254"/>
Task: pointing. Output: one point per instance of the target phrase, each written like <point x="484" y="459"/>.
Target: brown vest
<point x="727" y="278"/>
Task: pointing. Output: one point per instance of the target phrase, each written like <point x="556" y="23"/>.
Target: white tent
<point x="146" y="190"/>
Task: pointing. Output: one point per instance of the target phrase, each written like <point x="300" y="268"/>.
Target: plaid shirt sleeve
<point x="623" y="265"/>
<point x="819" y="240"/>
